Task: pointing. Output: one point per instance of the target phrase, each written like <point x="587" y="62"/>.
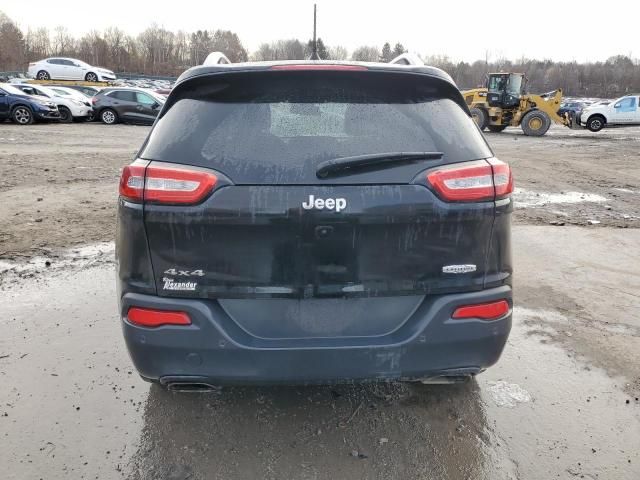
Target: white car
<point x="73" y="93"/>
<point x="59" y="68"/>
<point x="624" y="111"/>
<point x="70" y="108"/>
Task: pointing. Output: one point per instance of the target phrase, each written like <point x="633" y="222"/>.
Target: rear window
<point x="273" y="127"/>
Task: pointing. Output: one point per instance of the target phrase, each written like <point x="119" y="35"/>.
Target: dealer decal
<point x="171" y="284"/>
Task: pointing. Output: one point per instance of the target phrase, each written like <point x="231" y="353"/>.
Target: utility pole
<point x="314" y="47"/>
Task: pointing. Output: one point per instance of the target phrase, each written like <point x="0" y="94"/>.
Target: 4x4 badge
<point x="184" y="273"/>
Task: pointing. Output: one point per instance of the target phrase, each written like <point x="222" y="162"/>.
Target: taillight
<point x="163" y="184"/>
<point x="502" y="177"/>
<point x="146" y="317"/>
<point x="482" y="311"/>
<point x="170" y="183"/>
<point x="321" y="66"/>
<point x="94" y="100"/>
<point x="472" y="181"/>
<point x="132" y="181"/>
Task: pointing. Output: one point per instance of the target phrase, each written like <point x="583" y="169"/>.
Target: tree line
<point x="158" y="51"/>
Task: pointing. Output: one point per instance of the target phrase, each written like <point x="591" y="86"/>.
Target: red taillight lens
<point x="175" y="184"/>
<point x="321" y="66"/>
<point x="170" y="183"/>
<point x="483" y="311"/>
<point x="502" y="177"/>
<point x="94" y="100"/>
<point x="467" y="183"/>
<point x="146" y="317"/>
<point x="132" y="181"/>
<point x="473" y="181"/>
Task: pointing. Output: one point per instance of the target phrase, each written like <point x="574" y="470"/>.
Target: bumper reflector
<point x="483" y="311"/>
<point x="146" y="317"/>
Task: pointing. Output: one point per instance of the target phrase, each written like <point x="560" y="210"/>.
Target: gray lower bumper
<point x="216" y="350"/>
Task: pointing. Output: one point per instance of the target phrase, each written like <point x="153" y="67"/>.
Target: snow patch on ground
<point x="530" y="199"/>
<point x="76" y="257"/>
<point x="507" y="394"/>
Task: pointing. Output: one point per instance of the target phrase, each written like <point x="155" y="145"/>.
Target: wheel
<point x="43" y="75"/>
<point x="596" y="123"/>
<point x="480" y="117"/>
<point x="108" y="116"/>
<point x="535" y="123"/>
<point x="22" y="115"/>
<point x="496" y="128"/>
<point x="91" y="77"/>
<point x="65" y="115"/>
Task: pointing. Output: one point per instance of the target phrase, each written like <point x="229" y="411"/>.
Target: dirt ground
<point x="59" y="182"/>
<point x="562" y="402"/>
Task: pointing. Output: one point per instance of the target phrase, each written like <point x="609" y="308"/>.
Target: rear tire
<point x="22" y="115"/>
<point x="496" y="128"/>
<point x="43" y="75"/>
<point x="480" y="117"/>
<point x="91" y="77"/>
<point x="535" y="123"/>
<point x="596" y="123"/>
<point x="108" y="116"/>
<point x="65" y="115"/>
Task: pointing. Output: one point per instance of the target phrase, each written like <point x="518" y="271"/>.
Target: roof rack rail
<point x="216" y="58"/>
<point x="407" y="59"/>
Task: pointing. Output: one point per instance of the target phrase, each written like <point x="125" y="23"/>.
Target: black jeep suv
<point x="301" y="222"/>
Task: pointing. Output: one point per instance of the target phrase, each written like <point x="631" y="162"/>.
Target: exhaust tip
<point x="192" y="387"/>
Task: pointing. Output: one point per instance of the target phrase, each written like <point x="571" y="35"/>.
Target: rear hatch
<point x="321" y="221"/>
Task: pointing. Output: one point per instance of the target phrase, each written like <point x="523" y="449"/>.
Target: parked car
<point x="85" y="89"/>
<point x="60" y="68"/>
<point x="24" y="109"/>
<point x="573" y="108"/>
<point x="133" y="105"/>
<point x="625" y="111"/>
<point x="70" y="108"/>
<point x="305" y="222"/>
<point x="81" y="97"/>
<point x="163" y="91"/>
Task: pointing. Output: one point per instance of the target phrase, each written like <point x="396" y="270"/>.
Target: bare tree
<point x="62" y="41"/>
<point x="38" y="44"/>
<point x="12" y="44"/>
<point x="229" y="43"/>
<point x="366" y="54"/>
<point x="338" y="52"/>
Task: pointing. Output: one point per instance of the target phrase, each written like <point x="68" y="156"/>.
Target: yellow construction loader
<point x="503" y="103"/>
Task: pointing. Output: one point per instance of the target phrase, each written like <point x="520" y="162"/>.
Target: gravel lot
<point x="561" y="403"/>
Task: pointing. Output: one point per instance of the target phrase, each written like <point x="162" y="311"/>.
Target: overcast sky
<point x="569" y="30"/>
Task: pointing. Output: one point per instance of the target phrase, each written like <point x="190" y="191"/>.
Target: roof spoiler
<point x="216" y="58"/>
<point x="407" y="59"/>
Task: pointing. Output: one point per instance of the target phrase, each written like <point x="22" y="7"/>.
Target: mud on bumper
<point x="216" y="350"/>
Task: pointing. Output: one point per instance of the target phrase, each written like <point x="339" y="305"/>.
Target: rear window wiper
<point x="348" y="165"/>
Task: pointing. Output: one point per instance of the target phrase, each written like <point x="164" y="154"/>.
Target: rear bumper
<point x="212" y="350"/>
